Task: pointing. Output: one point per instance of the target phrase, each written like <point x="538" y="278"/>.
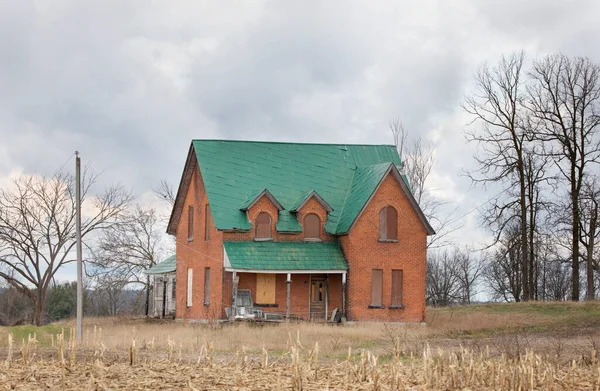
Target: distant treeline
<point x="61" y="303"/>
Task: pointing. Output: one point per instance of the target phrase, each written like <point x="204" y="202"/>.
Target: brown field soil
<point x="495" y="346"/>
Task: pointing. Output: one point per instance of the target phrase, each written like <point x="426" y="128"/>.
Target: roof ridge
<point x="295" y="143"/>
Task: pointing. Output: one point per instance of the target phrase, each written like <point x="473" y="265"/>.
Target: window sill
<point x="263" y="239"/>
<point x="206" y="304"/>
<point x="266" y="305"/>
<point x="387" y="240"/>
<point x="190" y="239"/>
<point x="396" y="307"/>
<point x="377" y="306"/>
<point x="312" y="240"/>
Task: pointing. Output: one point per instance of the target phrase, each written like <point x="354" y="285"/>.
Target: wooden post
<point x="164" y="309"/>
<point x="326" y="295"/>
<point x="234" y="288"/>
<point x="287" y="298"/>
<point x="344" y="296"/>
<point x="78" y="247"/>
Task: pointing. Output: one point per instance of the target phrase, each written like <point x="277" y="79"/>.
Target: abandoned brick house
<point x="300" y="230"/>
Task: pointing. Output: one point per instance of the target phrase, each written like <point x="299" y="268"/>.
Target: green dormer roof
<point x="236" y="172"/>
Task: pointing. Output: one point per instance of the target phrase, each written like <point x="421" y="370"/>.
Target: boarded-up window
<point x="190" y="222"/>
<point x="173" y="288"/>
<point x="265" y="288"/>
<point x="397" y="288"/>
<point x="190" y="278"/>
<point x="312" y="226"/>
<point x="207" y="222"/>
<point x="206" y="285"/>
<point x="388" y="224"/>
<point x="377" y="287"/>
<point x="263" y="226"/>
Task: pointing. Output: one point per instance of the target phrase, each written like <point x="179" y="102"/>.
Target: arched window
<point x="263" y="226"/>
<point x="388" y="224"/>
<point x="312" y="226"/>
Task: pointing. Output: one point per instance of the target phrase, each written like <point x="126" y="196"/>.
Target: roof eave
<point x="319" y="199"/>
<point x="266" y="193"/>
<point x="184" y="183"/>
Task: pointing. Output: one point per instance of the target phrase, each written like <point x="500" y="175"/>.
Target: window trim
<point x="384" y="225"/>
<point x="304" y="228"/>
<point x="207" y="222"/>
<point x="206" y="286"/>
<point x="190" y="286"/>
<point x="263" y="239"/>
<point x="372" y="304"/>
<point x="394" y="303"/>
<point x="190" y="223"/>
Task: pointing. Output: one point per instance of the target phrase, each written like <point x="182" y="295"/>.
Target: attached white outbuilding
<point x="164" y="287"/>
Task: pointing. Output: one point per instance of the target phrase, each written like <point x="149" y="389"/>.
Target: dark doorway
<point x="318" y="296"/>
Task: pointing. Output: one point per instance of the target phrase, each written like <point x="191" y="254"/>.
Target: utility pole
<point x="79" y="252"/>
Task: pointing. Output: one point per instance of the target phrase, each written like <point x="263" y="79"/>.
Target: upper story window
<point x="263" y="226"/>
<point x="207" y="222"/>
<point x="312" y="227"/>
<point x="190" y="222"/>
<point x="388" y="224"/>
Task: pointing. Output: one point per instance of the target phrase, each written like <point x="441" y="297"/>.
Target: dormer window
<point x="312" y="227"/>
<point x="263" y="227"/>
<point x="388" y="224"/>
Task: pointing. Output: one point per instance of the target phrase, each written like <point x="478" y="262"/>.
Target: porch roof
<point x="284" y="256"/>
<point x="166" y="266"/>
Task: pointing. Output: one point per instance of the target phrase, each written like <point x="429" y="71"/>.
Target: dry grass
<point x="481" y="347"/>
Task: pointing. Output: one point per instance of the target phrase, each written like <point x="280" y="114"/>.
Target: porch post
<point x="344" y="296"/>
<point x="234" y="286"/>
<point x="287" y="298"/>
<point x="326" y="295"/>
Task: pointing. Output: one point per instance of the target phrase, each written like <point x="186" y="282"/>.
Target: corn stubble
<point x="91" y="366"/>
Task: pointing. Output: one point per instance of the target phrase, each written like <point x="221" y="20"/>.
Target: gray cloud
<point x="130" y="83"/>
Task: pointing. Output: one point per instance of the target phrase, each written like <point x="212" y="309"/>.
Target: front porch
<point x="310" y="288"/>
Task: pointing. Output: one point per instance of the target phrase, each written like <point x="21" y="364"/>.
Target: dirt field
<point x="500" y="346"/>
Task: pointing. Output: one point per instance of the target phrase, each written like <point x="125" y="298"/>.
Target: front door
<point x="318" y="296"/>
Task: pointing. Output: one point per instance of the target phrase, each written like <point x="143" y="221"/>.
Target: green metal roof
<point x="232" y="172"/>
<point x="285" y="256"/>
<point x="364" y="183"/>
<point x="166" y="266"/>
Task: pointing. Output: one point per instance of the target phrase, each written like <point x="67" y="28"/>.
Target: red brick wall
<point x="364" y="253"/>
<point x="198" y="254"/>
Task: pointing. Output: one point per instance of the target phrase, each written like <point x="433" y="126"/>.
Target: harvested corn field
<point x="516" y="346"/>
<point x="298" y="369"/>
<point x="68" y="365"/>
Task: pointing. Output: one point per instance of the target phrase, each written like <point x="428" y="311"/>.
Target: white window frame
<point x="190" y="279"/>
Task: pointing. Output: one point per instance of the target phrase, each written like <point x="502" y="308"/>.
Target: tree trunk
<point x="39" y="309"/>
<point x="147" y="295"/>
<point x="575" y="237"/>
<point x="524" y="240"/>
<point x="590" y="289"/>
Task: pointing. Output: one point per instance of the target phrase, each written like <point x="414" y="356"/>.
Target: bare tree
<point x="443" y="283"/>
<point x="164" y="190"/>
<point x="417" y="164"/>
<point x="502" y="273"/>
<point x="128" y="248"/>
<point x="37" y="228"/>
<point x="469" y="269"/>
<point x="588" y="230"/>
<point x="565" y="99"/>
<point x="503" y="149"/>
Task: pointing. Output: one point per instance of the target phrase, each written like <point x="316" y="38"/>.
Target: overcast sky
<point x="129" y="83"/>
